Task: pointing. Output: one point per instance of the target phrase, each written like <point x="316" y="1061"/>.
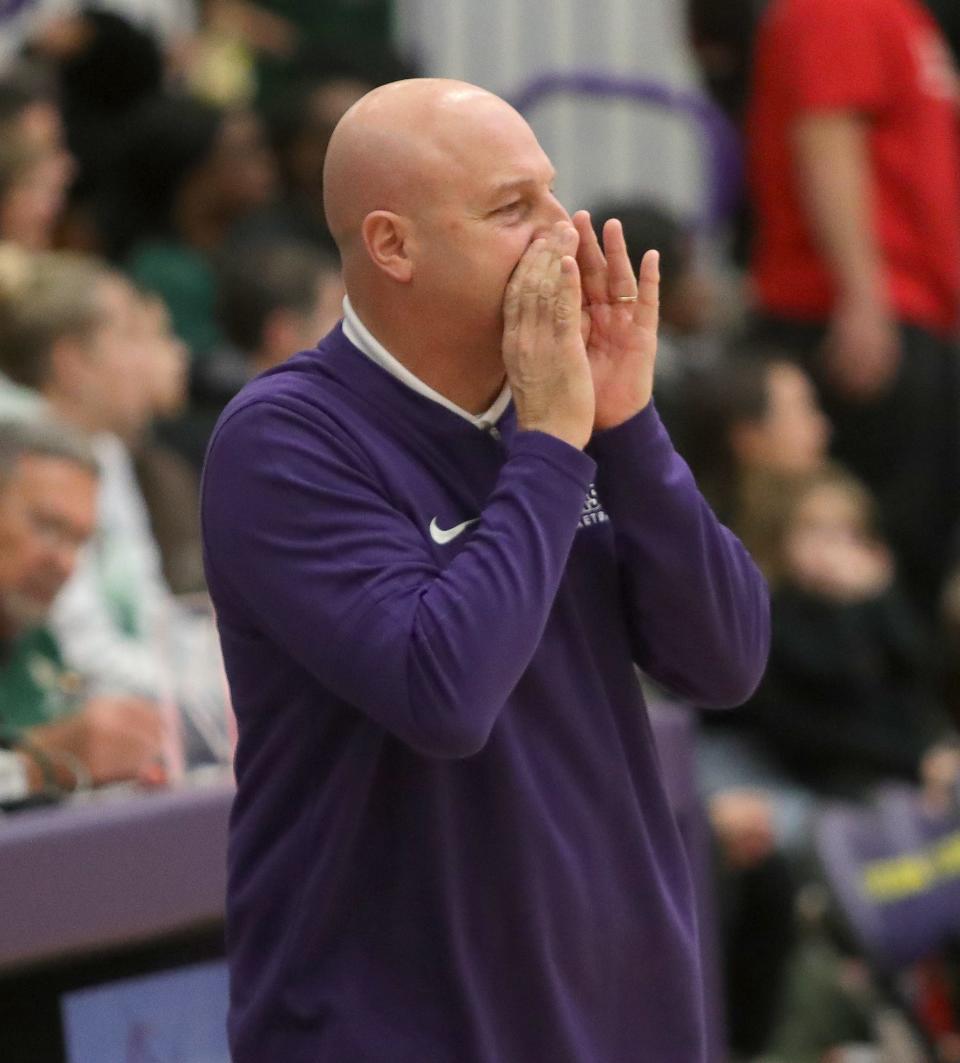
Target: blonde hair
<point x="18" y="156"/>
<point x="44" y="296"/>
<point x="768" y="502"/>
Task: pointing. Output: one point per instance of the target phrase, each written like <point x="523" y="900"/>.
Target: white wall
<point x="599" y="147"/>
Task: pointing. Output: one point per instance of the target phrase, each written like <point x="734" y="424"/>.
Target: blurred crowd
<point x="162" y="240"/>
<point x="826" y="433"/>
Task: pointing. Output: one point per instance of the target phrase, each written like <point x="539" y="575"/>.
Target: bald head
<point x="399" y="145"/>
<point x="434" y="190"/>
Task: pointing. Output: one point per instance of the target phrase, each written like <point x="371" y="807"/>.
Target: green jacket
<point x="35" y="686"/>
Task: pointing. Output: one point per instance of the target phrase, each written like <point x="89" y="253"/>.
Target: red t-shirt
<point x="886" y="60"/>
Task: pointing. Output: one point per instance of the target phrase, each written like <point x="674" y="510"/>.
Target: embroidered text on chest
<point x="593" y="511"/>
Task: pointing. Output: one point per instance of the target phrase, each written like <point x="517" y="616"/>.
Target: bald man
<point x="437" y="543"/>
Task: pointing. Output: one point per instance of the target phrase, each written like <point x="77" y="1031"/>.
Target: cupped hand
<point x="619" y="317"/>
<point x="543" y="351"/>
<point x="114" y="738"/>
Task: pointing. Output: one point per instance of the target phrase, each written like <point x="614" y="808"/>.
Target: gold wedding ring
<point x="625" y="299"/>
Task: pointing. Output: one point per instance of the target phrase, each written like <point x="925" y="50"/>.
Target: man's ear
<point x="387" y="239"/>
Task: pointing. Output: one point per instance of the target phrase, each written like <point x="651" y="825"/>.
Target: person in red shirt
<point x="854" y="157"/>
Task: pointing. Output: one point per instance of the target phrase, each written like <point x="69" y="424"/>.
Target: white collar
<point x="361" y="337"/>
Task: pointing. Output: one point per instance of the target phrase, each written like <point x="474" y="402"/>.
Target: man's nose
<point x="550" y="213"/>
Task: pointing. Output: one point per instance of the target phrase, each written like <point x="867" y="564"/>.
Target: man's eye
<point x="510" y="207"/>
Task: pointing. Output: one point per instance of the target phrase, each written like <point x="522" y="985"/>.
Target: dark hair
<point x="22" y="86"/>
<point x="726" y="30"/>
<point x="317" y="65"/>
<point x="117" y="65"/>
<point x="647" y="225"/>
<point x="261" y="277"/>
<point x="168" y="138"/>
<point x="729" y="393"/>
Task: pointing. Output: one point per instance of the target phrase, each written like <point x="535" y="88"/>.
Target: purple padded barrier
<point x="117" y="870"/>
<point x="127" y="869"/>
<point x="895" y="871"/>
<point x="725" y="149"/>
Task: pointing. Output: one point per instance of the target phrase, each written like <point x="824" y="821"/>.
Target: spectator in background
<point x="105" y="67"/>
<point x="751" y="414"/>
<point x="58" y="309"/>
<point x="35" y="166"/>
<point x="855" y="164"/>
<point x="60" y="737"/>
<point x="71" y="329"/>
<point x="169" y="484"/>
<point x="29" y="106"/>
<point x="33" y="187"/>
<point x="190" y="172"/>
<point x="847" y="704"/>
<point x="761" y="451"/>
<point x="301" y="111"/>
<point x="168" y="368"/>
<point x="31" y="311"/>
<point x="757" y="441"/>
<point x="275" y="297"/>
<point x="300" y="122"/>
<point x="847" y="701"/>
<point x="749" y="417"/>
<point x="751" y="421"/>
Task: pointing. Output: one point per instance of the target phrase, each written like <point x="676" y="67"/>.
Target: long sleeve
<point x="304" y="543"/>
<point x="697" y="607"/>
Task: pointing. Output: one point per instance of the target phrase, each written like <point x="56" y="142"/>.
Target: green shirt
<point x="185" y="281"/>
<point x="35" y="686"/>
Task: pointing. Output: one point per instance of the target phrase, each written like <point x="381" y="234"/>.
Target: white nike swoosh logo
<point x="447" y="535"/>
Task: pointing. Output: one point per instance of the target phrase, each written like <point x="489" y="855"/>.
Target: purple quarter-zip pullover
<point x="451" y="841"/>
